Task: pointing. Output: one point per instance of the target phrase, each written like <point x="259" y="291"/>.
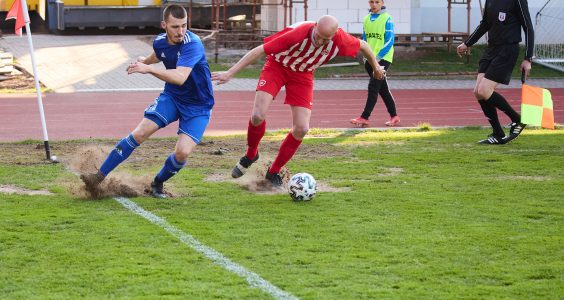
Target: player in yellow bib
<point x="379" y="34"/>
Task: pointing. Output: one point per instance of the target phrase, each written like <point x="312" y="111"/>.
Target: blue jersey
<point x="197" y="89"/>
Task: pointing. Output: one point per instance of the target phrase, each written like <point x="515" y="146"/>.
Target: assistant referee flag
<point x="536" y="107"/>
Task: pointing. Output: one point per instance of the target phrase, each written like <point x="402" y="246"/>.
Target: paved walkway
<point x="98" y="63"/>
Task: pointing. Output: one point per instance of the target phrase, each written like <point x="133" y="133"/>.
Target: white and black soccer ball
<point x="302" y="187"/>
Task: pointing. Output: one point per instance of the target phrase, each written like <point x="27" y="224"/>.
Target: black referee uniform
<point x="502" y="20"/>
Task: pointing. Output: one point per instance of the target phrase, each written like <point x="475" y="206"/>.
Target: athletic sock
<point x="288" y="148"/>
<point x="254" y="135"/>
<point x="170" y="168"/>
<point x="499" y="101"/>
<point x="491" y="113"/>
<point x="121" y="152"/>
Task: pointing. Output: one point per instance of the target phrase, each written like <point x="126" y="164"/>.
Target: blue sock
<point x="120" y="153"/>
<point x="170" y="168"/>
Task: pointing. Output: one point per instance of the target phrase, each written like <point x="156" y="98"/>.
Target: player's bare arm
<point x="175" y="76"/>
<point x="378" y="72"/>
<point x="249" y="58"/>
<point x="149" y="60"/>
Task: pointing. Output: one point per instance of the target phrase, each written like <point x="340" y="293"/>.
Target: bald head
<point x="325" y="30"/>
<point x="327" y="25"/>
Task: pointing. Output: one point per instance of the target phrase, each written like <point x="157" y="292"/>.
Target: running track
<point x="113" y="115"/>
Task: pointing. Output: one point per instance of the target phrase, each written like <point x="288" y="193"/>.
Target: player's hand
<point x="220" y="77"/>
<point x="141" y="59"/>
<point x="462" y="49"/>
<point x="137" y="67"/>
<point x="379" y="73"/>
<point x="526" y="67"/>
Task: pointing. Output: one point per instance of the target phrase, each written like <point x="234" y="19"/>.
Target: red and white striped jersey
<point x="293" y="47"/>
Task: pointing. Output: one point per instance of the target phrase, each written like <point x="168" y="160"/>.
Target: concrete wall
<point x="351" y="13"/>
<point x="433" y="17"/>
<point x="272" y="16"/>
<point x="410" y="16"/>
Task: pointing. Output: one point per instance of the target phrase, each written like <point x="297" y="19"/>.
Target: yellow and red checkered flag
<point x="16" y="12"/>
<point x="536" y="107"/>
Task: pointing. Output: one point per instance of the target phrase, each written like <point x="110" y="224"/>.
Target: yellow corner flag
<point x="536" y="107"/>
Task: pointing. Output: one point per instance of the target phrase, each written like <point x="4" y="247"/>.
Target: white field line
<point x="253" y="279"/>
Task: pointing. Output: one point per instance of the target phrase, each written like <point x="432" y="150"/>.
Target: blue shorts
<point x="193" y="120"/>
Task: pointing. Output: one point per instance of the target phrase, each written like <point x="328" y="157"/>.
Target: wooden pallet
<point x="6" y="63"/>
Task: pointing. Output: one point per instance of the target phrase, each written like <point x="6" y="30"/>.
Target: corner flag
<point x="536" y="107"/>
<point x="16" y="12"/>
<point x="20" y="13"/>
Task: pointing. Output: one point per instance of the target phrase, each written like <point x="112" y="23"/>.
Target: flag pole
<point x="36" y="79"/>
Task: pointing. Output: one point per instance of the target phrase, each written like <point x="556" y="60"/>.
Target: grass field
<point x="420" y="214"/>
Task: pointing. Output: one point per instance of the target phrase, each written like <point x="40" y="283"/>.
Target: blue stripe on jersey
<point x="388" y="39"/>
<point x="197" y="89"/>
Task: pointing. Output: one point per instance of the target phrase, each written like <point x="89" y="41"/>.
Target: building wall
<point x="433" y="17"/>
<point x="272" y="16"/>
<point x="410" y="16"/>
<point x="350" y="13"/>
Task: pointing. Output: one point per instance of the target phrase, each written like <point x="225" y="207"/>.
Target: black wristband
<point x="528" y="58"/>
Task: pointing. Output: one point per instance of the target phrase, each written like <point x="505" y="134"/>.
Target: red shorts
<point x="299" y="85"/>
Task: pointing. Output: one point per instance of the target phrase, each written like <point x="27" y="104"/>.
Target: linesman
<point x="502" y="20"/>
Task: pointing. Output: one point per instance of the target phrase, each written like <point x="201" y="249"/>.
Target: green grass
<point x="428" y="214"/>
<point x="422" y="60"/>
<point x="440" y="60"/>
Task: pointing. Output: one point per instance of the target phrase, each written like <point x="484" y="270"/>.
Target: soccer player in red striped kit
<point x="293" y="54"/>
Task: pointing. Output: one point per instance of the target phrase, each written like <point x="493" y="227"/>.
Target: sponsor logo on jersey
<point x="374" y="35"/>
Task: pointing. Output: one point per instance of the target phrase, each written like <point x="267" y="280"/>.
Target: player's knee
<point x="181" y="155"/>
<point x="139" y="136"/>
<point x="257" y="118"/>
<point x="482" y="93"/>
<point x="300" y="132"/>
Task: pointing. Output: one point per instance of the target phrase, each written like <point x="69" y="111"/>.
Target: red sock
<point x="288" y="148"/>
<point x="254" y="135"/>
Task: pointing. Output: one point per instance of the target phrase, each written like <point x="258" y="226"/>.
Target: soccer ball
<point x="302" y="187"/>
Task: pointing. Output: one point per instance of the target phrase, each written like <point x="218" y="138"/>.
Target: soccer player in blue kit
<point x="187" y="97"/>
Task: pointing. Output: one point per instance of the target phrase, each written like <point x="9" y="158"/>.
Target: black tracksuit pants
<point x="380" y="87"/>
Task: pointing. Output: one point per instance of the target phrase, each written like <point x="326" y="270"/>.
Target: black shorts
<point x="498" y="62"/>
